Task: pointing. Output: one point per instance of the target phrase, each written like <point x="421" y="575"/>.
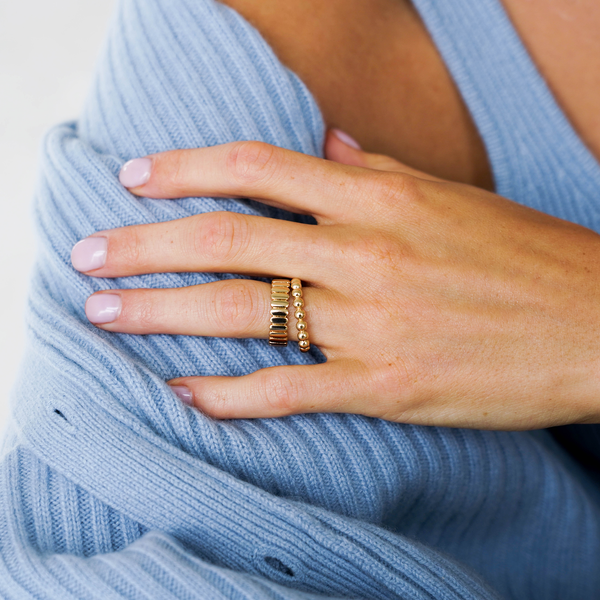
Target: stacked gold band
<point x="300" y="314"/>
<point x="280" y="303"/>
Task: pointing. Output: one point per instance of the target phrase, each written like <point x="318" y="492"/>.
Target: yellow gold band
<point x="280" y="303"/>
<point x="300" y="314"/>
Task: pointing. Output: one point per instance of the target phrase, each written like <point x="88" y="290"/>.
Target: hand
<point x="435" y="303"/>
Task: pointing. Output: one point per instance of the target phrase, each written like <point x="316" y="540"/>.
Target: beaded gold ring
<point x="280" y="303"/>
<point x="300" y="314"/>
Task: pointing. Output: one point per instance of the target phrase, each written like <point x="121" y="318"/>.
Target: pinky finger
<point x="333" y="386"/>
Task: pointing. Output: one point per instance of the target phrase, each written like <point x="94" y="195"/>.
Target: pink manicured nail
<point x="184" y="394"/>
<point x="344" y="137"/>
<point x="135" y="172"/>
<point x="103" y="308"/>
<point x="89" y="254"/>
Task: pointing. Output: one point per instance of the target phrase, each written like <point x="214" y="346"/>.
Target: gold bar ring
<point x="280" y="303"/>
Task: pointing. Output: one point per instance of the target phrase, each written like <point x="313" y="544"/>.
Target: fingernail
<point x="89" y="254"/>
<point x="135" y="172"/>
<point x="184" y="394"/>
<point x="103" y="308"/>
<point x="344" y="137"/>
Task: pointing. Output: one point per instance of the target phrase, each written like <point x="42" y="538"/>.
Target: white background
<point x="47" y="53"/>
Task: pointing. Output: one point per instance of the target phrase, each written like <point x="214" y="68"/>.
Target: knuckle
<point x="174" y="166"/>
<point x="393" y="375"/>
<point x="145" y="312"/>
<point x="236" y="306"/>
<point x="222" y="236"/>
<point x="395" y="381"/>
<point x="394" y="189"/>
<point x="379" y="256"/>
<point x="280" y="392"/>
<point x="130" y="248"/>
<point x="213" y="402"/>
<point x="252" y="163"/>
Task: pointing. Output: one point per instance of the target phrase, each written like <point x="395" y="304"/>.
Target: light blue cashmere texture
<point x="111" y="488"/>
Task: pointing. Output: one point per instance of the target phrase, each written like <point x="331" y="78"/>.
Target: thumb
<point x="341" y="148"/>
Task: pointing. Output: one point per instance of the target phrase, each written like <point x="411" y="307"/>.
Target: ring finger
<point x="238" y="308"/>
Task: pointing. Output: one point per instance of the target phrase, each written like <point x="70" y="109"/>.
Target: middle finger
<point x="219" y="241"/>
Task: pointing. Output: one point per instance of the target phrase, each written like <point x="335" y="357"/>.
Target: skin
<point x="377" y="75"/>
<point x="444" y="304"/>
<point x="562" y="38"/>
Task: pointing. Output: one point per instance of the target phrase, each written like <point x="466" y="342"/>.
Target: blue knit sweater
<point x="112" y="488"/>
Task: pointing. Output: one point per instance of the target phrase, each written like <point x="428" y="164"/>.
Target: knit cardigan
<point x="111" y="488"/>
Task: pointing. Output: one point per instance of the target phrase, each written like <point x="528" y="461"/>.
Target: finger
<point x="219" y="241"/>
<point x="341" y="148"/>
<point x="334" y="386"/>
<point x="273" y="175"/>
<point x="237" y="308"/>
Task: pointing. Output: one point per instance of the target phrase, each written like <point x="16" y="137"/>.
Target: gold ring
<point x="300" y="314"/>
<point x="280" y="303"/>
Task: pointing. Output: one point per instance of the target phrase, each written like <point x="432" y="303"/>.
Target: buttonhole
<point x="276" y="564"/>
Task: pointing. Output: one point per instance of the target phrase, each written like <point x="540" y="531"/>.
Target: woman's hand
<point x="435" y="303"/>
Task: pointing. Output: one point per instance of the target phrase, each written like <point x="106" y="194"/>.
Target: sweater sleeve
<point x="111" y="488"/>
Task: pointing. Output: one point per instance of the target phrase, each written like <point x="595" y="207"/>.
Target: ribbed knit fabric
<point x="111" y="488"/>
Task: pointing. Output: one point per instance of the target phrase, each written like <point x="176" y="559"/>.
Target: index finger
<point x="276" y="176"/>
